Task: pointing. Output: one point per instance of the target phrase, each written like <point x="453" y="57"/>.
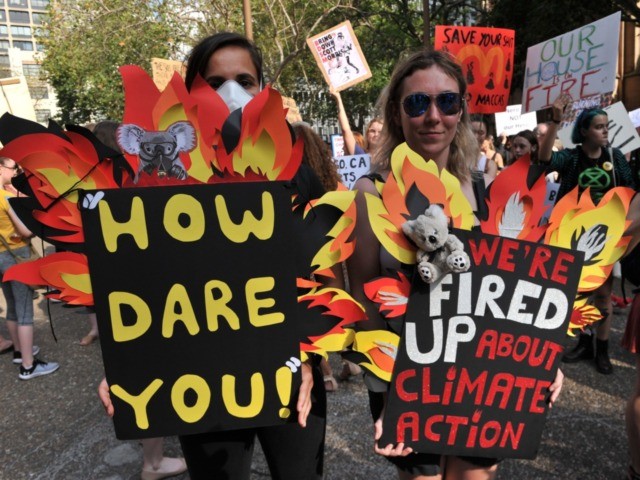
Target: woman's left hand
<point x="555" y="387"/>
<point x="304" y="396"/>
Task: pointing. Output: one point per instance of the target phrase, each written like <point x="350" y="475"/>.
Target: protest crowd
<point x="506" y="227"/>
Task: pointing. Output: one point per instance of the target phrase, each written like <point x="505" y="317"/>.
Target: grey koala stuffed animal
<point x="439" y="252"/>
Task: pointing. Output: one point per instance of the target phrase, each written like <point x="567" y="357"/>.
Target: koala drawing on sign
<point x="439" y="252"/>
<point x="158" y="150"/>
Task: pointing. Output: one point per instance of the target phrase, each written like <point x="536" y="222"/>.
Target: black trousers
<point x="292" y="452"/>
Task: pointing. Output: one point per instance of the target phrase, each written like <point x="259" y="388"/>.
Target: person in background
<point x="19" y="297"/>
<point x="486" y="161"/>
<point x="595" y="165"/>
<point x="424" y="106"/>
<point x="371" y="136"/>
<point x="525" y="143"/>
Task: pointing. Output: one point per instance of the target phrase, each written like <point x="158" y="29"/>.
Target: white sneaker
<point x="17" y="356"/>
<point x="38" y="369"/>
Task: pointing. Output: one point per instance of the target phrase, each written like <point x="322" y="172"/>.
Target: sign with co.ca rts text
<point x="481" y="348"/>
<point x="195" y="293"/>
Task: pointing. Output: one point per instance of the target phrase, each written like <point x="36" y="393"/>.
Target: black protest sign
<point x="480" y="349"/>
<point x="195" y="294"/>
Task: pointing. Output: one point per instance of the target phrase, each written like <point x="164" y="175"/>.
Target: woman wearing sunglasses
<point x="423" y="106"/>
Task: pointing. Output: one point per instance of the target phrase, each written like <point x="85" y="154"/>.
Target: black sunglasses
<point x="449" y="103"/>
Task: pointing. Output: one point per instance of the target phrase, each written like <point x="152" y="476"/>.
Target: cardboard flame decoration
<point x="515" y="209"/>
<point x="254" y="146"/>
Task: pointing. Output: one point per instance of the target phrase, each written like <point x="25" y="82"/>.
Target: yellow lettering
<point x="178" y="297"/>
<point x="122" y="332"/>
<point x="217" y="307"/>
<point x="262" y="229"/>
<point x="260" y="285"/>
<point x="231" y="403"/>
<point x="199" y="386"/>
<point x="186" y="205"/>
<point x="140" y="402"/>
<point x="136" y="226"/>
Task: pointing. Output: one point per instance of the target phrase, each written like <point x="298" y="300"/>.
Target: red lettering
<point x="485" y="440"/>
<point x="455" y="421"/>
<point x="489" y="340"/>
<point x="505" y="345"/>
<point x="538" y="402"/>
<point x="403" y="394"/>
<point x="540" y="258"/>
<point x="428" y="427"/>
<point x="465" y="385"/>
<point x="567" y="89"/>
<point x="584" y="84"/>
<point x="561" y="267"/>
<point x="555" y="350"/>
<point x="509" y="434"/>
<point x="529" y="96"/>
<point x="427" y="397"/>
<point x="505" y="261"/>
<point x="408" y="421"/>
<point x="523" y="384"/>
<point x="501" y="384"/>
<point x="483" y="251"/>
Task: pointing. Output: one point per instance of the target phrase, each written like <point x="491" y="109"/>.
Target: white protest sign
<point x="622" y="133"/>
<point x="352" y="167"/>
<point x="634" y="115"/>
<point x="512" y="122"/>
<point x="337" y="145"/>
<point x="581" y="63"/>
<point x="339" y="56"/>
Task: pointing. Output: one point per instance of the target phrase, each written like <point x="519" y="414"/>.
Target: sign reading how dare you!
<point x="479" y="352"/>
<point x="195" y="294"/>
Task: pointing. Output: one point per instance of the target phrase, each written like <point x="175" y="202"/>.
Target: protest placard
<point x="480" y="349"/>
<point x="581" y="63"/>
<point x="352" y="167"/>
<point x="15" y="98"/>
<point x="622" y="133"/>
<point x="339" y="56"/>
<point x="512" y="121"/>
<point x="337" y="145"/>
<point x="634" y="116"/>
<point x="486" y="56"/>
<point x="215" y="338"/>
<point x="162" y="71"/>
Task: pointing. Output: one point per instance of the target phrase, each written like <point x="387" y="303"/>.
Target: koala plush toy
<point x="439" y="252"/>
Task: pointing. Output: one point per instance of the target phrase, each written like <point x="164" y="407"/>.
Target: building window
<point x="39" y="47"/>
<point x="26" y="46"/>
<point x="18" y="17"/>
<point x="18" y="3"/>
<point x="31" y="70"/>
<point x="38" y="93"/>
<point x="4" y="44"/>
<point x="38" y="17"/>
<point x="43" y="115"/>
<point x="39" y="4"/>
<point x="4" y="30"/>
<point x="21" y="31"/>
<point x="3" y="16"/>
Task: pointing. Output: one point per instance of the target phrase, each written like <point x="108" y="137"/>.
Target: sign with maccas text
<point x="512" y="121"/>
<point x="622" y="133"/>
<point x="486" y="57"/>
<point x="480" y="349"/>
<point x="352" y="167"/>
<point x="186" y="349"/>
<point x="339" y="56"/>
<point x="581" y="63"/>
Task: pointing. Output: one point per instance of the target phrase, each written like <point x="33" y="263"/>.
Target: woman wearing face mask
<point x="591" y="164"/>
<point x="232" y="65"/>
<point x="423" y="106"/>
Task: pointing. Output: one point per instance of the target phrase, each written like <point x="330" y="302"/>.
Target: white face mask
<point x="234" y="95"/>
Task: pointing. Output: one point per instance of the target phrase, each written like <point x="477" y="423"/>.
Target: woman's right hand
<point x="559" y="105"/>
<point x="105" y="398"/>
<point x="390" y="450"/>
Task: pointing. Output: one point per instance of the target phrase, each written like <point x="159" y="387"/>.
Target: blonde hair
<point x="464" y="150"/>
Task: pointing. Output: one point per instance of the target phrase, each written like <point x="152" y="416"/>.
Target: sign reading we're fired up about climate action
<point x="481" y="348"/>
<point x="209" y="301"/>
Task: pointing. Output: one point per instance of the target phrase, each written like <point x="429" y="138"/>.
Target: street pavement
<point x="54" y="427"/>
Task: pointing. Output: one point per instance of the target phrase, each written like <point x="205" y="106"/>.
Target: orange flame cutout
<point x="515" y="210"/>
<point x="598" y="231"/>
<point x="388" y="212"/>
<point x="66" y="271"/>
<point x="390" y="293"/>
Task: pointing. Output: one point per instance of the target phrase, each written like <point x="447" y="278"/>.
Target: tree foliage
<point x="85" y="41"/>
